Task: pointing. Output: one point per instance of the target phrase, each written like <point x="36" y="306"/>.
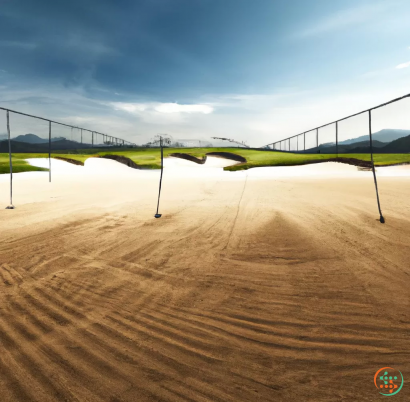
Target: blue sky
<point x="255" y="70"/>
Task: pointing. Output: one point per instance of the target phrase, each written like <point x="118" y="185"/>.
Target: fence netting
<point x="391" y="126"/>
<point x="379" y="135"/>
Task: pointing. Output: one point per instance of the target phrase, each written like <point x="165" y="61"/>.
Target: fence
<point x="354" y="134"/>
<point x="351" y="134"/>
<point x="35" y="134"/>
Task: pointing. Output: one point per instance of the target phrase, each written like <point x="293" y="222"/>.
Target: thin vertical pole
<point x="157" y="215"/>
<point x="10" y="163"/>
<point x="92" y="139"/>
<point x="297" y="143"/>
<point x="374" y="171"/>
<point x="337" y="140"/>
<point x="49" y="151"/>
<point x="289" y="144"/>
<point x="304" y="141"/>
<point x="317" y="139"/>
<point x="81" y="136"/>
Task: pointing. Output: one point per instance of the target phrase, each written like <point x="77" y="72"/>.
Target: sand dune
<point x="265" y="285"/>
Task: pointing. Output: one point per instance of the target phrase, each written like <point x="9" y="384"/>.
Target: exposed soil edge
<point x="72" y="161"/>
<point x="122" y="159"/>
<point x="191" y="158"/>
<point x="348" y="161"/>
<point x="228" y="155"/>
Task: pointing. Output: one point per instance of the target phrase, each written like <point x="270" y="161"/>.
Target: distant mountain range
<point x="30" y="138"/>
<point x="24" y="147"/>
<point x="384" y="141"/>
<point x="28" y="143"/>
<point x="385" y="135"/>
<point x="399" y="146"/>
<point x="35" y="139"/>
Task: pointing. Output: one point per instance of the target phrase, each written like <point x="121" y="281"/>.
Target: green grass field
<point x="150" y="157"/>
<point x="19" y="165"/>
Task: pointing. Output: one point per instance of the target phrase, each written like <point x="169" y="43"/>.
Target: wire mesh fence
<point x="22" y="134"/>
<point x="352" y="134"/>
<point x="365" y="136"/>
<point x="35" y="134"/>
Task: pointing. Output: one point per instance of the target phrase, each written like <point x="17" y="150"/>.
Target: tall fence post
<point x="337" y="140"/>
<point x="10" y="163"/>
<point x="81" y="136"/>
<point x="304" y="141"/>
<point x="158" y="215"/>
<point x="49" y="151"/>
<point x="373" y="169"/>
<point x="92" y="139"/>
<point x="317" y="139"/>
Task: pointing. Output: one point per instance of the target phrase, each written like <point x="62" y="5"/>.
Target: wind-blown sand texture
<point x="275" y="284"/>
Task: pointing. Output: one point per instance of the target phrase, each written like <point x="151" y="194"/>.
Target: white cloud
<point x="129" y="107"/>
<point x="176" y="108"/>
<point x="137" y="108"/>
<point x="403" y="65"/>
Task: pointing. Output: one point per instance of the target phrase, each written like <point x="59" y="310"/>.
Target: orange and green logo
<point x="388" y="381"/>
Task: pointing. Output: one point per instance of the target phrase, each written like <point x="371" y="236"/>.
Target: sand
<point x="275" y="284"/>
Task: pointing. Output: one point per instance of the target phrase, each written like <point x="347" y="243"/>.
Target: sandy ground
<point x="276" y="284"/>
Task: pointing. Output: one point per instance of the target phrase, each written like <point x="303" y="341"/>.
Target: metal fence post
<point x="10" y="163"/>
<point x="158" y="215"/>
<point x="373" y="169"/>
<point x="337" y="140"/>
<point x="304" y="141"/>
<point x="49" y="151"/>
<point x="317" y="139"/>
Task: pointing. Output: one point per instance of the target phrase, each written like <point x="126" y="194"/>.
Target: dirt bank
<point x="188" y="157"/>
<point x="122" y="159"/>
<point x="72" y="161"/>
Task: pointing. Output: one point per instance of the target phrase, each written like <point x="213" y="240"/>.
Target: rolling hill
<point x="23" y="147"/>
<point x="385" y="135"/>
<point x="35" y="139"/>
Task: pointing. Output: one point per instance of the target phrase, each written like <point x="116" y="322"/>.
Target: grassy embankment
<point x="149" y="158"/>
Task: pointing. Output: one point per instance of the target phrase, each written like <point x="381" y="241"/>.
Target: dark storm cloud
<point x="157" y="48"/>
<point x="123" y="65"/>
